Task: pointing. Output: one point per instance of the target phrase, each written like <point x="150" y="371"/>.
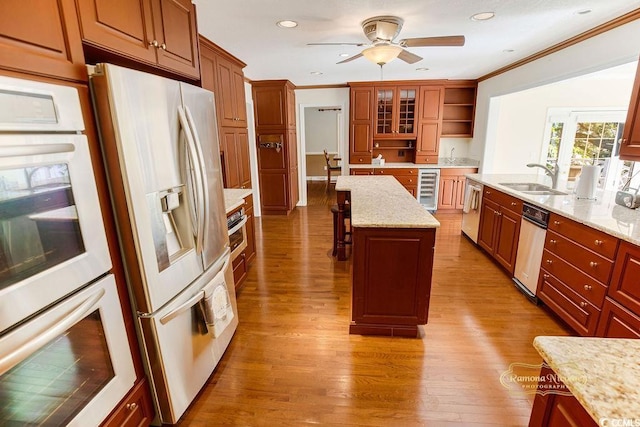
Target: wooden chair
<point x="331" y="167"/>
<point x="347" y="218"/>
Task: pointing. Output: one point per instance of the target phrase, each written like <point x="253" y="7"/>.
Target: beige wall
<point x="315" y="165"/>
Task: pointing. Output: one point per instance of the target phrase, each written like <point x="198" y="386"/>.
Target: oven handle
<point x="186" y="306"/>
<point x="35" y="150"/>
<point x="39" y="340"/>
<point x="238" y="226"/>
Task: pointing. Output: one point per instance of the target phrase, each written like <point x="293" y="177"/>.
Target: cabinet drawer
<point x="135" y="410"/>
<point x="407" y="181"/>
<point x="359" y="159"/>
<point x="397" y="171"/>
<point x="590" y="238"/>
<point x="583" y="259"/>
<point x="617" y="322"/>
<point x="569" y="306"/>
<point x="504" y="200"/>
<point x="585" y="286"/>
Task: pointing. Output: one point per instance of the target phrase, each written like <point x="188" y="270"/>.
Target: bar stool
<point x="347" y="215"/>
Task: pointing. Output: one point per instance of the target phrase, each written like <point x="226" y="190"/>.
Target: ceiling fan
<point x="381" y="31"/>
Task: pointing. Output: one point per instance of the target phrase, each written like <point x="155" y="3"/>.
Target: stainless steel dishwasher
<point x="533" y="230"/>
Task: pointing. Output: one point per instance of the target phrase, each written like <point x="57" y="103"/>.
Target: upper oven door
<point x="52" y="238"/>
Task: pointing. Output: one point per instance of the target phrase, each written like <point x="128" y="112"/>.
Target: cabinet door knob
<point x="598" y="242"/>
<point x="487" y="192"/>
<point x="593" y="264"/>
<point x="553" y="242"/>
<point x="587" y="287"/>
<point x="163" y="46"/>
<point x="545" y="276"/>
<point x="556" y="222"/>
<point x="583" y="304"/>
<point x="549" y="261"/>
<point x="132" y="406"/>
<point x="513" y="203"/>
<point x="360" y="160"/>
<point x="154" y="43"/>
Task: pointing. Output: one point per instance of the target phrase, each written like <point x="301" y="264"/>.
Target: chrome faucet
<point x="553" y="173"/>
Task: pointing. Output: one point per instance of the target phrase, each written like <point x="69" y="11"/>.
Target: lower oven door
<point x="186" y="338"/>
<point x="70" y="365"/>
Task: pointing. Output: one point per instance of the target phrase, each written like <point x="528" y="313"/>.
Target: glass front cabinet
<point x="396" y="112"/>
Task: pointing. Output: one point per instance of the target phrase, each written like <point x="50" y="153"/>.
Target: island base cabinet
<point x="391" y="280"/>
<point x="556" y="410"/>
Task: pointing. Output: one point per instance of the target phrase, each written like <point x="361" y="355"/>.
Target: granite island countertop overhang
<point x="603" y="374"/>
<point x="602" y="214"/>
<point x="381" y="201"/>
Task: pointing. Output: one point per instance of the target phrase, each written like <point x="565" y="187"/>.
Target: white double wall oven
<point x="64" y="352"/>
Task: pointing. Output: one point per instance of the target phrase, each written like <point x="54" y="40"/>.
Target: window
<point x="578" y="138"/>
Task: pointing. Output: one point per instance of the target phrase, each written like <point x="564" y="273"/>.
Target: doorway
<point x="322" y="128"/>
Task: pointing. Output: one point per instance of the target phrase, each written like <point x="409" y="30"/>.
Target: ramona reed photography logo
<point x="531" y="379"/>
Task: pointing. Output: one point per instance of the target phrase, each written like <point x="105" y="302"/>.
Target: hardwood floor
<point x="292" y="361"/>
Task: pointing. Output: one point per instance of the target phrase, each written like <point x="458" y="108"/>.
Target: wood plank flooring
<point x="292" y="361"/>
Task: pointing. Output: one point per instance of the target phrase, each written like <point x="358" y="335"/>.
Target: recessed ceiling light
<point x="422" y="69"/>
<point x="344" y="55"/>
<point x="583" y="12"/>
<point x="316" y="73"/>
<point x="482" y="16"/>
<point x="508" y="50"/>
<point x="287" y="24"/>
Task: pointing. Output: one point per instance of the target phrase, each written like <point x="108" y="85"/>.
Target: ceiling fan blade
<point x="350" y="59"/>
<point x="336" y="44"/>
<point x="433" y="41"/>
<point x="408" y="57"/>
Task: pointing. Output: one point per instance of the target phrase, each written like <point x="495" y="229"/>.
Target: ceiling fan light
<point x="382" y="54"/>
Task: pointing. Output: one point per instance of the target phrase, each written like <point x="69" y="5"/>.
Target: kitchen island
<point x="602" y="374"/>
<point x="393" y="238"/>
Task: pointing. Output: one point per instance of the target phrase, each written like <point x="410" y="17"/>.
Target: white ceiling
<point x="247" y="29"/>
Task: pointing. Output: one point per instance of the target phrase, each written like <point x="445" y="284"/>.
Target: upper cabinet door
<point x="396" y="112"/>
<point x="124" y="26"/>
<point x="630" y="147"/>
<point x="41" y="37"/>
<point x="230" y="94"/>
<point x="176" y="34"/>
<point x="159" y="32"/>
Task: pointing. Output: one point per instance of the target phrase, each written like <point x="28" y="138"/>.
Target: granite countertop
<point x="602" y="214"/>
<point x="234" y="197"/>
<point x="443" y="162"/>
<point x="602" y="373"/>
<point x="381" y="201"/>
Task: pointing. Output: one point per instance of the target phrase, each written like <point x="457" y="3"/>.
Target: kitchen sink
<point x="533" y="188"/>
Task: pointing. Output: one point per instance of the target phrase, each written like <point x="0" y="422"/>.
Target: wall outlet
<point x="325" y="167"/>
<point x="400" y="153"/>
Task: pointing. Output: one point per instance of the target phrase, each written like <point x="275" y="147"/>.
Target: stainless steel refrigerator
<point x="160" y="146"/>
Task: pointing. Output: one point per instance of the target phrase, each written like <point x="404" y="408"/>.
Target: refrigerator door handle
<point x="192" y="155"/>
<point x="190" y="302"/>
<point x="198" y="146"/>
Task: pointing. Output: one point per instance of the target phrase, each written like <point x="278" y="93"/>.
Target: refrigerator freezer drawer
<point x="184" y="341"/>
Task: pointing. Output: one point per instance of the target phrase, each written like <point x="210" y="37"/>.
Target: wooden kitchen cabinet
<point x="395" y="112"/>
<point x="429" y="124"/>
<point x="577" y="262"/>
<point x="158" y="32"/>
<point x="235" y="153"/>
<point x="458" y="109"/>
<point x="617" y="321"/>
<point x="277" y="145"/>
<point x="500" y="227"/>
<point x="625" y="285"/>
<point x="408" y="177"/>
<point x="135" y="410"/>
<point x="630" y="146"/>
<point x="232" y="111"/>
<point x="554" y="410"/>
<point x="451" y="188"/>
<point x="391" y="280"/>
<point x="250" y="251"/>
<point x="41" y="37"/>
<point x="222" y="74"/>
<point x="361" y="124"/>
